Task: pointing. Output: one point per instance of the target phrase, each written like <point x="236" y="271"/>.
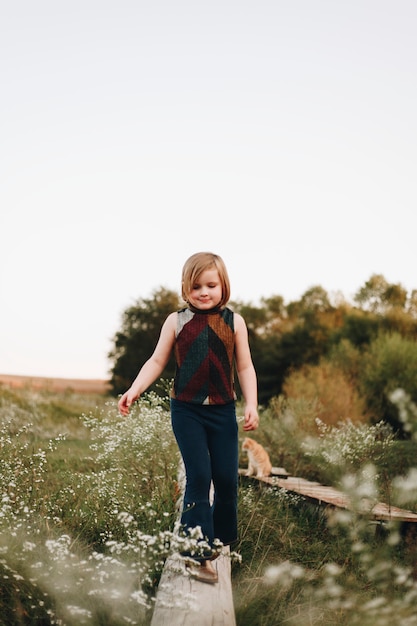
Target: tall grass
<point x="303" y="565"/>
<point x="89" y="504"/>
<point x="84" y="527"/>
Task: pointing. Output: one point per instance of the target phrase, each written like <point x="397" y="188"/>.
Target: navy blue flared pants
<point x="207" y="436"/>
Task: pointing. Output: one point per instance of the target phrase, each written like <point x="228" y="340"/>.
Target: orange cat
<point x="259" y="463"/>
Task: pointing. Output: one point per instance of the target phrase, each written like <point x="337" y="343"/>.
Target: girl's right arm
<point x="153" y="367"/>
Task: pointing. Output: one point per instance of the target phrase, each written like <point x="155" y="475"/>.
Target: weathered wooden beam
<point x="183" y="601"/>
<point x="329" y="496"/>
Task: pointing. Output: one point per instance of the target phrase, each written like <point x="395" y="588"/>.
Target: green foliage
<point x="303" y="566"/>
<point x="124" y="448"/>
<point x="315" y="299"/>
<point x="346" y="448"/>
<point x="138" y="336"/>
<point x="401" y="322"/>
<point x="283" y="337"/>
<point x="346" y="357"/>
<point x="412" y="304"/>
<point x="389" y="363"/>
<point x="332" y="387"/>
<point x="275" y="357"/>
<point x="359" y="328"/>
<point x="47" y="413"/>
<point x="82" y="541"/>
<point x="87" y="521"/>
<point x="379" y="296"/>
<point x="277" y="530"/>
<point x="284" y="426"/>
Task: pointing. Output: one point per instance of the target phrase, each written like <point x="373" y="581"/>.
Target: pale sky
<point x="280" y="134"/>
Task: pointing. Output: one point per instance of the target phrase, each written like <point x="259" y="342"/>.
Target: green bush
<point x="389" y="363"/>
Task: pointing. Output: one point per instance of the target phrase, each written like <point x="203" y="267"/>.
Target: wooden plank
<point x="184" y="601"/>
<point x="332" y="497"/>
<point x="280" y="472"/>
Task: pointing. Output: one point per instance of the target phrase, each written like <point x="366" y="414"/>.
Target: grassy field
<point x="58" y="385"/>
<point x="89" y="505"/>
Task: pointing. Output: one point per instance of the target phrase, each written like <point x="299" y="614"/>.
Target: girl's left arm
<point x="246" y="374"/>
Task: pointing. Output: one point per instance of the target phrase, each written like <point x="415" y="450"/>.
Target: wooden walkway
<point x="184" y="601"/>
<point x="328" y="496"/>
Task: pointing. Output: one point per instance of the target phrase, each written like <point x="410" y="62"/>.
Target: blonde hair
<point x="196" y="265"/>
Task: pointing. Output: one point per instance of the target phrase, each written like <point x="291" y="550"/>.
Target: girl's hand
<point x="126" y="401"/>
<point x="251" y="419"/>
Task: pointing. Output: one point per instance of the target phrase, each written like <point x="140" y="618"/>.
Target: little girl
<point x="208" y="340"/>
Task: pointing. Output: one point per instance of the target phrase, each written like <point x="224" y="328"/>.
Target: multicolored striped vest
<point x="204" y="356"/>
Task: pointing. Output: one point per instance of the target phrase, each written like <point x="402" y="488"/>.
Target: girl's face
<point x="206" y="292"/>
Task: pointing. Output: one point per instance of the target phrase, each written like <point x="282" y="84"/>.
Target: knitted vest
<point x="204" y="356"/>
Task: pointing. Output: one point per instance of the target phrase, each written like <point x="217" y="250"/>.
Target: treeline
<point x="345" y="357"/>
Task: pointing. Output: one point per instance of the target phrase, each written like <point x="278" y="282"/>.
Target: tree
<point x="412" y="304"/>
<point x="276" y="355"/>
<point x="315" y="299"/>
<point x="359" y="327"/>
<point x="255" y="317"/>
<point x="264" y="319"/>
<point x="276" y="313"/>
<point x="395" y="296"/>
<point x="282" y="338"/>
<point x="379" y="296"/>
<point x="370" y="296"/>
<point x="390" y="363"/>
<point x="138" y="336"/>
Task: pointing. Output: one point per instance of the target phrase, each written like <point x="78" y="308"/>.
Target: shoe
<point x="204" y="572"/>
